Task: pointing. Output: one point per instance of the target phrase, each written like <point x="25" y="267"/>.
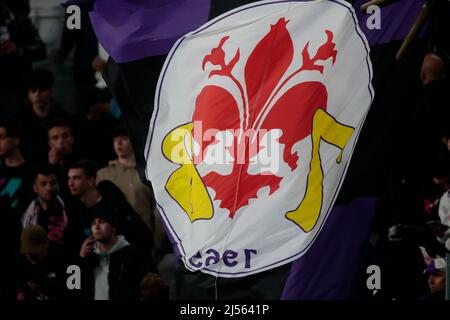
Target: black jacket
<point x="131" y="224"/>
<point x="43" y="281"/>
<point x="127" y="267"/>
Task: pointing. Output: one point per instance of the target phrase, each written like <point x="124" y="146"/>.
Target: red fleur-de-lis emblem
<point x="268" y="100"/>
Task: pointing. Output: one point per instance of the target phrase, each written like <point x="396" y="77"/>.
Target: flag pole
<point x="420" y="21"/>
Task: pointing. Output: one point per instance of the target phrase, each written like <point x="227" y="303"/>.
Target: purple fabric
<point x="134" y="29"/>
<point x="329" y="269"/>
<point x="77" y="2"/>
<point x="396" y="20"/>
<point x="174" y="242"/>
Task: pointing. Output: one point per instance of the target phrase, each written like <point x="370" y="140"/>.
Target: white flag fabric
<point x="256" y="117"/>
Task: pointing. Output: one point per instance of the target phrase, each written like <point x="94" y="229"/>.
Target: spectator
<point x="20" y="45"/>
<point x="94" y="129"/>
<point x="40" y="93"/>
<point x="40" y="278"/>
<point x="60" y="141"/>
<point x="123" y="173"/>
<point x="435" y="271"/>
<point x="113" y="267"/>
<point x="433" y="69"/>
<point x="154" y="287"/>
<point x="15" y="192"/>
<point x="62" y="150"/>
<point x="106" y="197"/>
<point x="42" y="108"/>
<point x="49" y="211"/>
<point x="15" y="177"/>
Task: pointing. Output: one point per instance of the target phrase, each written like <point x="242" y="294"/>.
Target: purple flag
<point x="131" y="29"/>
<point x="396" y="20"/>
<point x="329" y="270"/>
<point x="134" y="29"/>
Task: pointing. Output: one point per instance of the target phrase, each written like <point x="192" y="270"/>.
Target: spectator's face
<point x="61" y="139"/>
<point x="436" y="282"/>
<point x="79" y="183"/>
<point x="46" y="187"/>
<point x="7" y="143"/>
<point x="432" y="69"/>
<point x="122" y="147"/>
<point x="102" y="230"/>
<point x="40" y="100"/>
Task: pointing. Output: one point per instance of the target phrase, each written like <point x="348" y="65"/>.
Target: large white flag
<point x="256" y="117"/>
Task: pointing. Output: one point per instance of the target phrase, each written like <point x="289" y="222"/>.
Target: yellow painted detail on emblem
<point x="185" y="185"/>
<point x="326" y="128"/>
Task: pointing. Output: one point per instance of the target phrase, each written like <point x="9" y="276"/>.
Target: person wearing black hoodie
<point x="91" y="200"/>
<point x="40" y="110"/>
<point x="112" y="267"/>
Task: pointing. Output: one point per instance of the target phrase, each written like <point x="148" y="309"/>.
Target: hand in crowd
<point x="7" y="47"/>
<point x="54" y="156"/>
<point x="87" y="246"/>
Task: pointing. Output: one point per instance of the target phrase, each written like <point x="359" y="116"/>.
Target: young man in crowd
<point x="41" y="109"/>
<point x="15" y="193"/>
<point x="49" y="211"/>
<point x="60" y="142"/>
<point x="62" y="151"/>
<point x="123" y="173"/>
<point x="15" y="173"/>
<point x="112" y="267"/>
<point x="101" y="198"/>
